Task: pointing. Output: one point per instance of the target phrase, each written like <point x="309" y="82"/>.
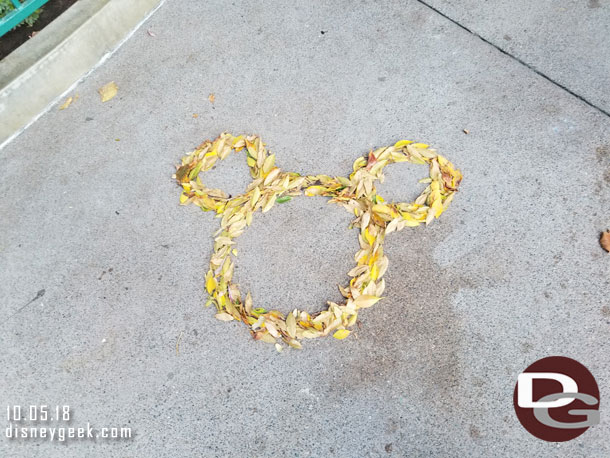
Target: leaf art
<point x="357" y="193"/>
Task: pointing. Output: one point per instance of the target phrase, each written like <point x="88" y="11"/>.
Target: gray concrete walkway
<point x="511" y="273"/>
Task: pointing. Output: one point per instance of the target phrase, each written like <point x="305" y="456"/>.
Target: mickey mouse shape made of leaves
<point x="357" y="193"/>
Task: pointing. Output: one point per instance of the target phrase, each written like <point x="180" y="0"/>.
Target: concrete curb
<point x="34" y="75"/>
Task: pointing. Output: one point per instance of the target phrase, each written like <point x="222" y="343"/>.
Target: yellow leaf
<point x="255" y="196"/>
<point x="359" y="163"/>
<point x="374" y="272"/>
<point x="365" y="301"/>
<point x="183" y="198"/>
<point x="269" y="204"/>
<point x="268" y="164"/>
<point x="437" y="206"/>
<point x="211" y="98"/>
<point x="108" y="91"/>
<point x="382" y="208"/>
<point x="341" y="334"/>
<point x="67" y="103"/>
<point x="210" y="284"/>
<point x="314" y="191"/>
<point x="369" y="238"/>
<point x="402" y="143"/>
<point x="272" y="176"/>
<point x="420" y="145"/>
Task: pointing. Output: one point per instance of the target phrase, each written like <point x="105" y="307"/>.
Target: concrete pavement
<point x="511" y="273"/>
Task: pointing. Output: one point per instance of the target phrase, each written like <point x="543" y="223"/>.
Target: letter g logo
<point x="556" y="399"/>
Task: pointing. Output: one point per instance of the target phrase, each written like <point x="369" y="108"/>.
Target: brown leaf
<point x="604" y="240"/>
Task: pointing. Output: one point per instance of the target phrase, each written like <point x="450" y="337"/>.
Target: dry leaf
<point x="224" y="317"/>
<point x="211" y="97"/>
<point x="108" y="91"/>
<point x="151" y="33"/>
<point x="195" y="115"/>
<point x="365" y="301"/>
<point x="67" y="103"/>
<point x="291" y="325"/>
<point x="341" y="334"/>
<point x="604" y="240"/>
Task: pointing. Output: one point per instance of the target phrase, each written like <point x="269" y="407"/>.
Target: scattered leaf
<point x="67" y="103"/>
<point x="284" y="199"/>
<point x="108" y="91"/>
<point x="341" y="334"/>
<point x="151" y="33"/>
<point x="604" y="240"/>
<point x="211" y="98"/>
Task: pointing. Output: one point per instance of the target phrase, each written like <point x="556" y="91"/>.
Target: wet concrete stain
<point x="414" y="336"/>
<point x="594" y="4"/>
<point x="602" y="154"/>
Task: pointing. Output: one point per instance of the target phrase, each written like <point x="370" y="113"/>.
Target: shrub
<point x="6" y="6"/>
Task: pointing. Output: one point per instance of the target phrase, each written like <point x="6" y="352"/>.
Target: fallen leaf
<point x="281" y="200"/>
<point x="108" y="91"/>
<point x="224" y="316"/>
<point x="291" y="325"/>
<point x="365" y="301"/>
<point x="151" y="33"/>
<point x="604" y="240"/>
<point x="195" y="115"/>
<point x="341" y="334"/>
<point x="67" y="103"/>
<point x="466" y="131"/>
<point x="211" y="97"/>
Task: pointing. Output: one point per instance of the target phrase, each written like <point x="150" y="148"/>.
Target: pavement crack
<point x="39" y="294"/>
<point x="522" y="62"/>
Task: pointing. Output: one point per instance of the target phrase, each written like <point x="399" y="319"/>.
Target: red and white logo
<point x="556" y="399"/>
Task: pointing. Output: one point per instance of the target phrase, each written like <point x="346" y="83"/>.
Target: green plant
<point x="6" y="6"/>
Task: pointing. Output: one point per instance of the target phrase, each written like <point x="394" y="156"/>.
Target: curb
<point x="41" y="70"/>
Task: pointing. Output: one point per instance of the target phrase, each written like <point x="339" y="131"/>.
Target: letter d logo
<point x="525" y="389"/>
<point x="556" y="399"/>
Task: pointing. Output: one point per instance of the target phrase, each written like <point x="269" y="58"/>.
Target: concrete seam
<point x="522" y="62"/>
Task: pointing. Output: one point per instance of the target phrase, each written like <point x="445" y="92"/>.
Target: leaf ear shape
<point x="205" y="157"/>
